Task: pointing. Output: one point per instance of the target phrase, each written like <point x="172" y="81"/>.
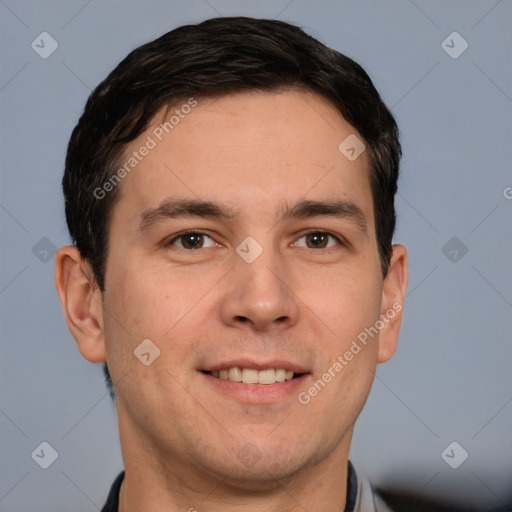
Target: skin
<point x="257" y="154"/>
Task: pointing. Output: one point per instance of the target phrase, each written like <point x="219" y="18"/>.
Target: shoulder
<point x="112" y="504"/>
<point x="367" y="500"/>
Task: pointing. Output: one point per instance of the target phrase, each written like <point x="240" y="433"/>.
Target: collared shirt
<point x="360" y="497"/>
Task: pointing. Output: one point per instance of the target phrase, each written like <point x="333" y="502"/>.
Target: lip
<point x="255" y="393"/>
<point x="256" y="365"/>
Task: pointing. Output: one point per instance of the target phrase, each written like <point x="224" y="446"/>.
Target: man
<point x="230" y="195"/>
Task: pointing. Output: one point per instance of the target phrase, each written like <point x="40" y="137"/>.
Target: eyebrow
<point x="173" y="208"/>
<point x="170" y="209"/>
<point x="341" y="208"/>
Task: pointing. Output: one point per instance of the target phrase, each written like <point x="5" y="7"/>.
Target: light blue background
<point x="451" y="379"/>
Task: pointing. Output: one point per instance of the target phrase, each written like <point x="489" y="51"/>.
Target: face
<point x="243" y="243"/>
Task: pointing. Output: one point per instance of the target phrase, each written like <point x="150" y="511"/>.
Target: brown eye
<point x="318" y="240"/>
<point x="192" y="240"/>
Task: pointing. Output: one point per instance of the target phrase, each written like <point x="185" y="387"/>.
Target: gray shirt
<point x="366" y="500"/>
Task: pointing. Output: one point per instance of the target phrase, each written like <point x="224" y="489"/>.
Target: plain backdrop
<point x="451" y="378"/>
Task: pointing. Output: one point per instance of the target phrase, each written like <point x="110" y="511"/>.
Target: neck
<point x="161" y="480"/>
<point x="326" y="495"/>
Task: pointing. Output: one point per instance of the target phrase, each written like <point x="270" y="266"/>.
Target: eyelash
<point x="175" y="238"/>
<point x="170" y="242"/>
<point x="337" y="238"/>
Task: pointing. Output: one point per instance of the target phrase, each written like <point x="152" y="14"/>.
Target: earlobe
<point x="81" y="301"/>
<point x="393" y="296"/>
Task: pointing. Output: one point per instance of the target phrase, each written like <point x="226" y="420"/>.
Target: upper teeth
<point x="252" y="376"/>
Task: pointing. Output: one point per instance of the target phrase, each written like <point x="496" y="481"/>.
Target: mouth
<point x="252" y="381"/>
<point x="248" y="375"/>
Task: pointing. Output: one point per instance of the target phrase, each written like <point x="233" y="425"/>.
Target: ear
<point x="81" y="301"/>
<point x="393" y="296"/>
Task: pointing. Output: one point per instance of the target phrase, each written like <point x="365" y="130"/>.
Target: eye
<point x="192" y="240"/>
<point x="318" y="240"/>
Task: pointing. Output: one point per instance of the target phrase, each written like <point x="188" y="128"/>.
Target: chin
<point x="262" y="477"/>
<point x="253" y="469"/>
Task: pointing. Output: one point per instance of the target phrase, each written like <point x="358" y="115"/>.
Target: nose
<point x="260" y="295"/>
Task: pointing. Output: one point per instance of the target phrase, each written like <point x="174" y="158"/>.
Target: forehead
<point x="252" y="149"/>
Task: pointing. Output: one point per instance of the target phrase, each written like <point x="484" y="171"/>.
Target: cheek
<point x="155" y="305"/>
<point x="145" y="303"/>
<point x="351" y="307"/>
<point x="131" y="314"/>
<point x="350" y="390"/>
<point x="346" y="303"/>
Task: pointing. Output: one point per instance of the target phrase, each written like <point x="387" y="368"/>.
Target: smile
<point x="265" y="376"/>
